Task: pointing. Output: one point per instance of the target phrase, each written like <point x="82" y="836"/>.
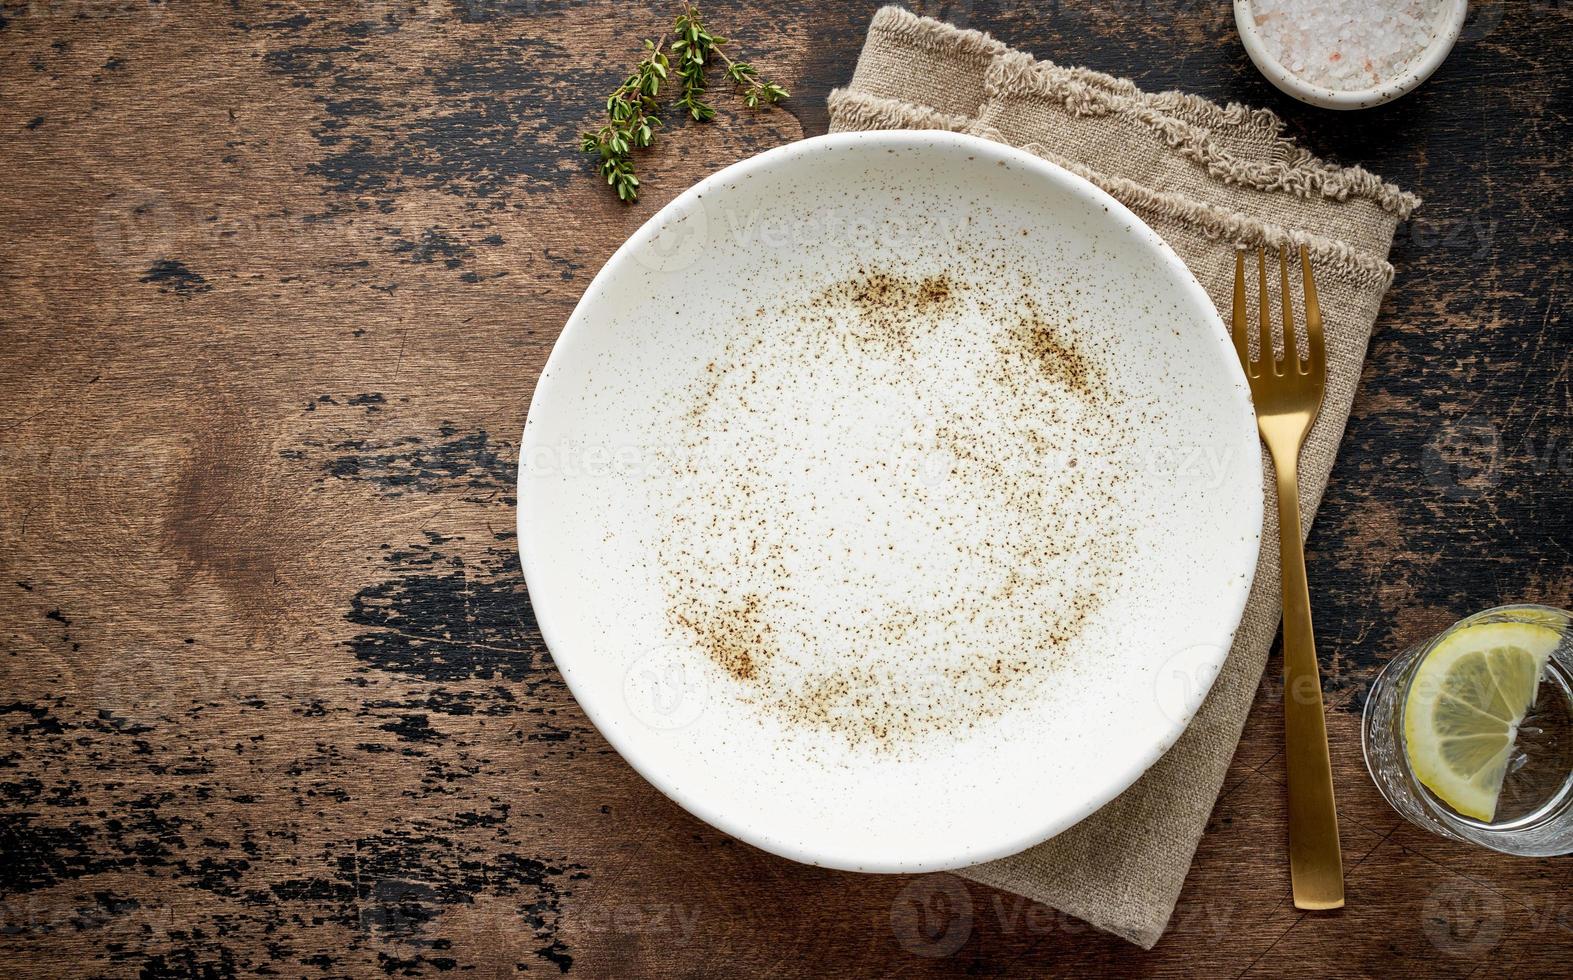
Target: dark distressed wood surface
<point x="275" y="284"/>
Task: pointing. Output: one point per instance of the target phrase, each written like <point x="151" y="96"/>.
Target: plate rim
<point x="959" y="856"/>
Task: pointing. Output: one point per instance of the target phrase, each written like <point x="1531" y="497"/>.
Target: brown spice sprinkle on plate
<point x="950" y="424"/>
<point x="731" y="635"/>
<point x="890" y="307"/>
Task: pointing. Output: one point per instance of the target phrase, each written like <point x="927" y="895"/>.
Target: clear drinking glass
<point x="1534" y="815"/>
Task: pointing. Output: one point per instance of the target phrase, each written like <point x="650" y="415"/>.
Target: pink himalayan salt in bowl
<point x="1348" y="54"/>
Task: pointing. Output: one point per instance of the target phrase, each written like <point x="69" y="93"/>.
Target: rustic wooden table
<point x="276" y="284"/>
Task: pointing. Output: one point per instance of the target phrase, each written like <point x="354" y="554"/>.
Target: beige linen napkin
<point x="1206" y="178"/>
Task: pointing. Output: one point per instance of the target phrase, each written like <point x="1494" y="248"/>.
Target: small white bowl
<point x="1329" y="98"/>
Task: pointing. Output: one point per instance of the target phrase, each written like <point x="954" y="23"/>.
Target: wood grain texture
<point x="276" y="283"/>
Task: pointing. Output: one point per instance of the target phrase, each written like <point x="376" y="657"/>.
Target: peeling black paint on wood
<point x="171" y="275"/>
<point x="446" y="620"/>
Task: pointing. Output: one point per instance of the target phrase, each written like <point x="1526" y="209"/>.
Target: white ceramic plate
<point x="891" y="499"/>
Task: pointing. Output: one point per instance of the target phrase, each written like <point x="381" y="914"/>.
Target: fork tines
<point x="1268" y="362"/>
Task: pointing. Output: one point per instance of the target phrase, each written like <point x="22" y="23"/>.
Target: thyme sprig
<point x="755" y="91"/>
<point x="633" y="109"/>
<point x="631" y="112"/>
<point x="692" y="47"/>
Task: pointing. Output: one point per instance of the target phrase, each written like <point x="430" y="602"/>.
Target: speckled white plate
<point x="891" y="499"/>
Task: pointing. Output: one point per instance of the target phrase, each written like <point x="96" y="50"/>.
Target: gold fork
<point x="1288" y="394"/>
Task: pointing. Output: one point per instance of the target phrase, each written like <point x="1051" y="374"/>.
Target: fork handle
<point x="1315" y="863"/>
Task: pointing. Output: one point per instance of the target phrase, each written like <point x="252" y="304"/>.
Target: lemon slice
<point x="1465" y="704"/>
